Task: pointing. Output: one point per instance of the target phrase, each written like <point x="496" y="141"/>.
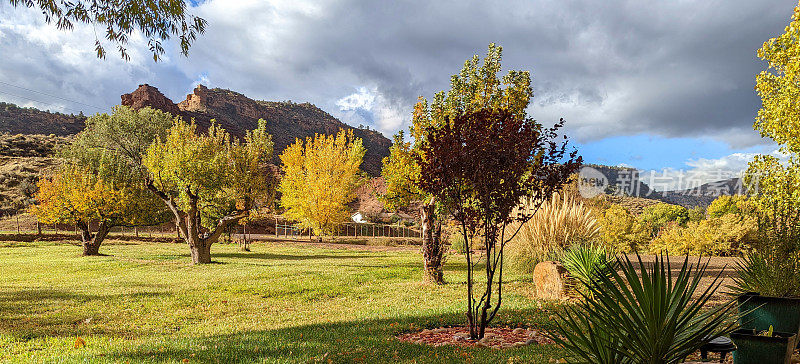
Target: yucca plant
<point x="558" y="223"/>
<point x="643" y="314"/>
<point x="588" y="262"/>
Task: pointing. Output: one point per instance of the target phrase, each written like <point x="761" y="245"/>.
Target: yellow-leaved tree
<point x="778" y="86"/>
<point x="210" y="181"/>
<point x="320" y="177"/>
<point x="76" y="196"/>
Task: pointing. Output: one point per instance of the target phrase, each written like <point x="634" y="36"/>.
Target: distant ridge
<point x="626" y="182"/>
<point x="27" y="120"/>
<point x="706" y="193"/>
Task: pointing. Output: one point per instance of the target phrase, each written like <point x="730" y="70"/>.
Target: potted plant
<point x="759" y="347"/>
<point x="768" y="278"/>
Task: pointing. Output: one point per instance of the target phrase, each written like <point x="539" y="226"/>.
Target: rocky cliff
<point x="147" y="95"/>
<point x="237" y="113"/>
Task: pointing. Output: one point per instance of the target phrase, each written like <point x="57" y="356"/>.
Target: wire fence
<point x="274" y="227"/>
<point x="356" y="230"/>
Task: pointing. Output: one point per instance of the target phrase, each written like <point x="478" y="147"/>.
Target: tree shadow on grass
<point x="32" y="313"/>
<point x="273" y="256"/>
<point x="243" y="258"/>
<point x="367" y="341"/>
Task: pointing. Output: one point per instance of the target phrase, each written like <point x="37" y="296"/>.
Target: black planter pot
<point x="758" y="313"/>
<point x="754" y="349"/>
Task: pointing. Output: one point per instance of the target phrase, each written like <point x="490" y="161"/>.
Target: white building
<point x="358" y="218"/>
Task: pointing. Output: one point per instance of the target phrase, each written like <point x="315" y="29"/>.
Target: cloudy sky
<point x="651" y="84"/>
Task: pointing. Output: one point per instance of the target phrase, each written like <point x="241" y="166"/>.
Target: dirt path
<point x="725" y="267"/>
<point x="360" y="245"/>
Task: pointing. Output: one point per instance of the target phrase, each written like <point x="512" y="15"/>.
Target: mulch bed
<point x="495" y="338"/>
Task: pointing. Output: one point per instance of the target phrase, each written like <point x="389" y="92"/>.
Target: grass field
<point x="144" y="302"/>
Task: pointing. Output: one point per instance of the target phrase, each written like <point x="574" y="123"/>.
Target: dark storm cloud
<point x="673" y="68"/>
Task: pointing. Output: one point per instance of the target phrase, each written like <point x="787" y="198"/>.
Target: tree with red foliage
<point x="491" y="168"/>
<point x="476" y="87"/>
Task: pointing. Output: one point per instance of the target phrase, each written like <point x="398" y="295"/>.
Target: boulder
<point x="550" y="280"/>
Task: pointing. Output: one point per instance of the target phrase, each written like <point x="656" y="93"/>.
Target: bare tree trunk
<point x="494" y="269"/>
<point x="432" y="247"/>
<point x="201" y="252"/>
<point x="91" y="242"/>
<point x="245" y="242"/>
<point x="90" y="249"/>
<point x="473" y="334"/>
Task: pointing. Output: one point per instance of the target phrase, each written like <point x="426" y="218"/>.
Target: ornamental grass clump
<point x="559" y="222"/>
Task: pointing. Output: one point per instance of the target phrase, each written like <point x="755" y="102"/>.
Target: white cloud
<point x="735" y="162"/>
<point x="363" y="99"/>
<point x="367" y="106"/>
<point x="702" y="170"/>
<point x="202" y="79"/>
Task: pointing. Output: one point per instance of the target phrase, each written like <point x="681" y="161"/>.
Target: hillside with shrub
<point x="18" y="178"/>
<point x="23" y="160"/>
<point x="27" y="120"/>
<point x="30" y="145"/>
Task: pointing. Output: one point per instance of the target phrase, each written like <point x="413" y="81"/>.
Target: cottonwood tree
<point x="209" y="181"/>
<point x="320" y="177"/>
<point x="779" y="119"/>
<point x="778" y="87"/>
<point x="114" y="144"/>
<point x="157" y="21"/>
<point x="74" y="195"/>
<point x="491" y="168"/>
<point x="476" y="87"/>
<point x="102" y="183"/>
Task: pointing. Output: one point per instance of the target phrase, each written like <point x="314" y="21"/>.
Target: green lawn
<point x="277" y="304"/>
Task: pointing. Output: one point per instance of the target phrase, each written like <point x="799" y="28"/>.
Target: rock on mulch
<point x="714" y="358"/>
<point x="495" y="338"/>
